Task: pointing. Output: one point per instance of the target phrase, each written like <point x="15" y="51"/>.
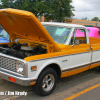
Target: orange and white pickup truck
<point x="40" y="53"/>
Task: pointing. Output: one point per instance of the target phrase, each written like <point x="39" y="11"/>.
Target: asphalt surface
<point x="71" y="88"/>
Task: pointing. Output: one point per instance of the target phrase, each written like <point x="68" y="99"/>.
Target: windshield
<point x="59" y="34"/>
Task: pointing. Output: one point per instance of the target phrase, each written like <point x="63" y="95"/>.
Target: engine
<point x="21" y="50"/>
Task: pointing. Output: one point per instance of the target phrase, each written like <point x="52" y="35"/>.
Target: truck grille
<point x="8" y="63"/>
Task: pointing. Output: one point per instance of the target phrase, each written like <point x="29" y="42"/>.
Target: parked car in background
<point x="0" y="31"/>
<point x="92" y="32"/>
<point x="1" y="28"/>
<point x="4" y="37"/>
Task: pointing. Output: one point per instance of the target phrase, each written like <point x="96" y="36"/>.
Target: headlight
<point x="19" y="68"/>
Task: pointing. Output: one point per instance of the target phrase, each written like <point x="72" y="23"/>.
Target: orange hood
<point x="23" y="24"/>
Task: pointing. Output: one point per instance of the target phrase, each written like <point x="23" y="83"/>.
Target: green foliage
<point x="85" y="18"/>
<point x="34" y="6"/>
<point x="7" y="4"/>
<point x="95" y="19"/>
<point x="58" y="9"/>
<point x="51" y="9"/>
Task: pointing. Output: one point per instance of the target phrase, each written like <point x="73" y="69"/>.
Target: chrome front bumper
<point x="19" y="80"/>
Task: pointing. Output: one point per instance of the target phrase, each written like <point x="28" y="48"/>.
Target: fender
<point x="44" y="65"/>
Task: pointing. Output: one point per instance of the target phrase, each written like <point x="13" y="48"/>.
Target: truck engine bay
<point x="21" y="50"/>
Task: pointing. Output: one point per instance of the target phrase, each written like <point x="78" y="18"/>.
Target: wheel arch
<point x="54" y="66"/>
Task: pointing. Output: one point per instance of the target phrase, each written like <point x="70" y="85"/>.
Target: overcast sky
<point x="86" y="8"/>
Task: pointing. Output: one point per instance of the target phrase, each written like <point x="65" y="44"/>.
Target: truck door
<point x="80" y="52"/>
<point x="95" y="61"/>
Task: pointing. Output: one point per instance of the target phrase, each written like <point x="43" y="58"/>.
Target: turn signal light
<point x="33" y="68"/>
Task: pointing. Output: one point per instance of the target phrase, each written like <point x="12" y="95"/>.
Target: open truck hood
<point x="23" y="24"/>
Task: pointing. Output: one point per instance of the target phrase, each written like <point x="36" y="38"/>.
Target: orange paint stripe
<point x="82" y="92"/>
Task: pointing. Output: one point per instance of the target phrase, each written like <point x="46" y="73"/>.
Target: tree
<point x="95" y="19"/>
<point x="7" y="4"/>
<point x="85" y="18"/>
<point x="34" y="6"/>
<point x="58" y="9"/>
<point x="51" y="9"/>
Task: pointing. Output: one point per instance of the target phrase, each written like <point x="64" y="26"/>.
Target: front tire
<point x="46" y="82"/>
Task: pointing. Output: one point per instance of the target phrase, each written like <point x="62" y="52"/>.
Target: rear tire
<point x="46" y="82"/>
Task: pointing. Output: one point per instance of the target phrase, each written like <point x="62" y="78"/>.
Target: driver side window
<point x="78" y="37"/>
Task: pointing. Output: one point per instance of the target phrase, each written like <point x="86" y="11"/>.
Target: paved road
<point x="83" y="86"/>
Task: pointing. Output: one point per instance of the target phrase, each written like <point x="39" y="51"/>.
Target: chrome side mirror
<point x="77" y="42"/>
<point x="72" y="45"/>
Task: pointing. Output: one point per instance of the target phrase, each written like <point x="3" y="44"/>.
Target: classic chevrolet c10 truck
<point x="40" y="53"/>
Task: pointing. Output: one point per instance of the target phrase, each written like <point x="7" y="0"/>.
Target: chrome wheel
<point x="48" y="82"/>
